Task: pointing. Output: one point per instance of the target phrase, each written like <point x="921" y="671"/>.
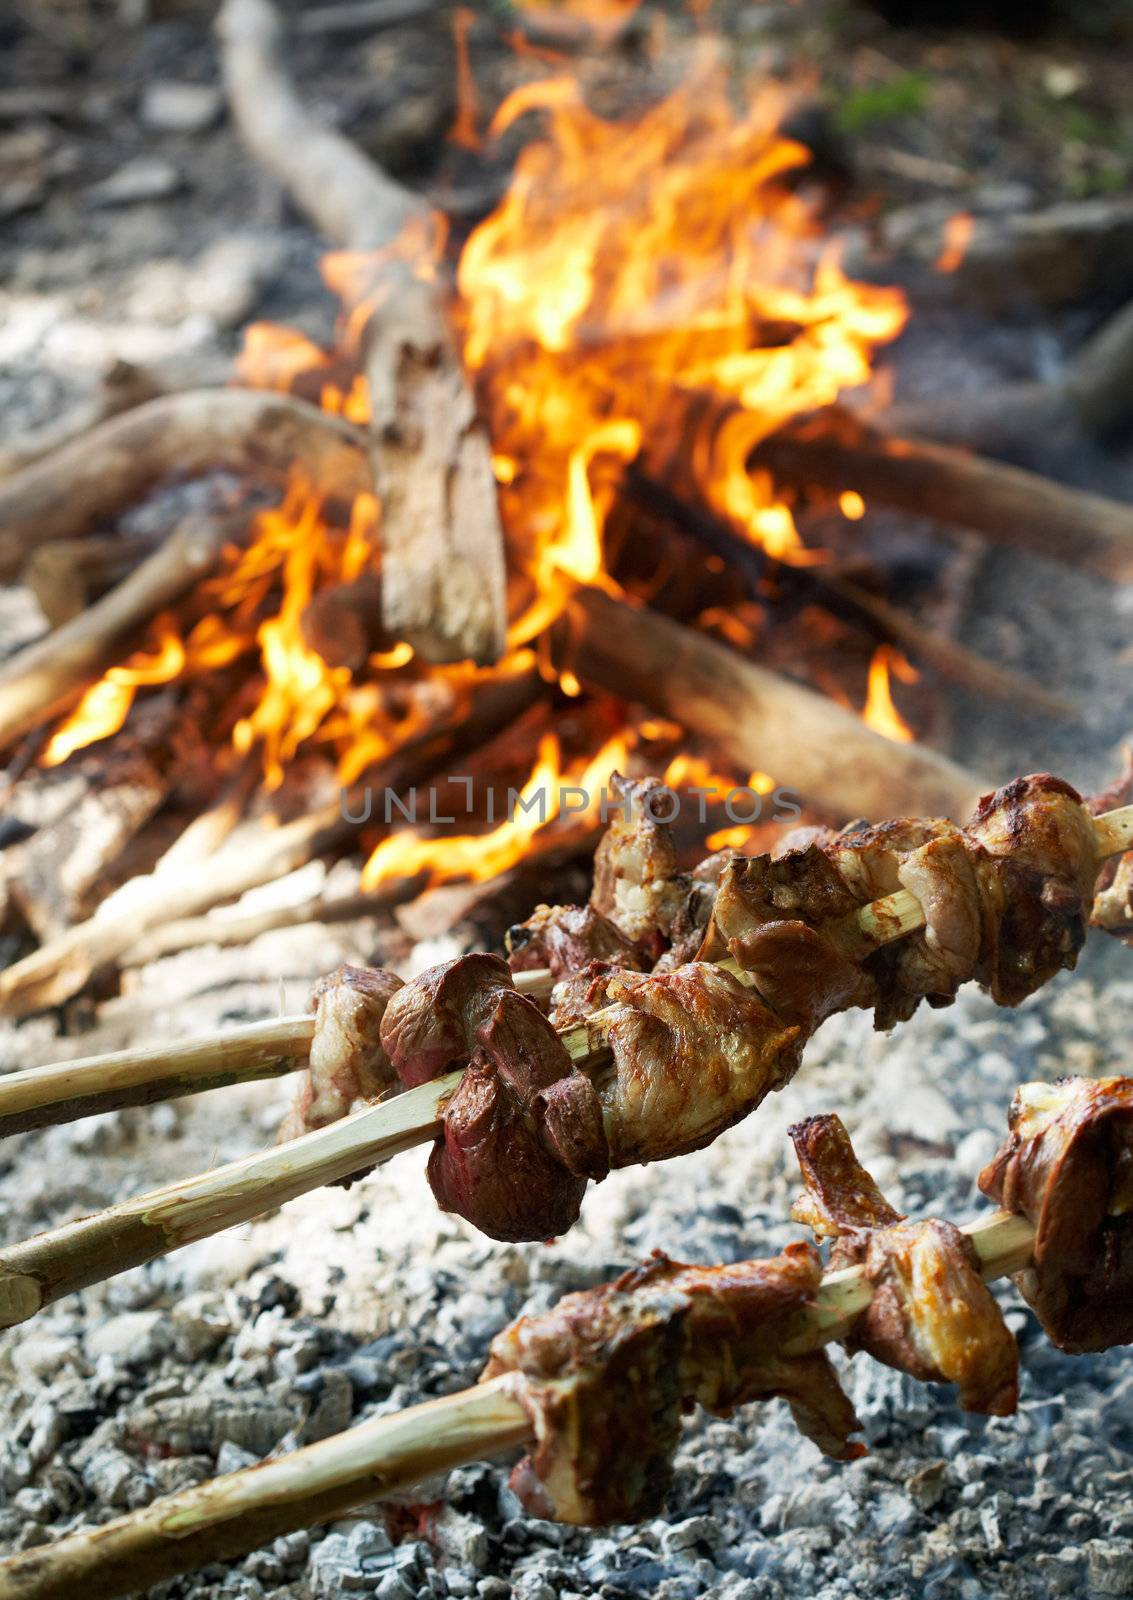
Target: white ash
<point x="355" y="1303"/>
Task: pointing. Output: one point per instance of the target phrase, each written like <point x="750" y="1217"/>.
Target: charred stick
<point x="430" y="452"/>
<point x="752" y="716"/>
<point x="44" y="680"/>
<point x="953" y="661"/>
<point x="229" y="1516"/>
<point x="835" y="451"/>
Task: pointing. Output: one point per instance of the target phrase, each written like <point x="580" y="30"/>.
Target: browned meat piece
<point x="931" y="1314"/>
<point x="566" y="939"/>
<point x="1042" y="840"/>
<point x="689" y="925"/>
<point x="934" y="861"/>
<point x="575" y="999"/>
<point x="636" y="883"/>
<point x="694" y="1051"/>
<point x="606" y="1374"/>
<point x="347" y="1060"/>
<point x="523" y="1131"/>
<point x="840" y="1195"/>
<point x="1005" y="901"/>
<point x="1067" y="1166"/>
<point x="767" y="916"/>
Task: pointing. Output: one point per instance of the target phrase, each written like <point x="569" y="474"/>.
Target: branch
<point x="263" y="436"/>
<point x="443" y="571"/>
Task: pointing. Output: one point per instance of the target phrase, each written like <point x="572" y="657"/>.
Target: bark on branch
<point x="443" y="574"/>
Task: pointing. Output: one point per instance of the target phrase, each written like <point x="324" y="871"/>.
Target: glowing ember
<point x="851" y="505"/>
<point x="957" y="237"/>
<point x="879" y="712"/>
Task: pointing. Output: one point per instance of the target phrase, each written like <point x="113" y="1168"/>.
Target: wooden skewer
<point x="230" y="1516"/>
<point x="66" y="1090"/>
<point x="36" y="1272"/>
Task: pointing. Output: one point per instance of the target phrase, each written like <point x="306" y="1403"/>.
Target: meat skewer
<point x="64" y="1091"/>
<point x="520" y="1130"/>
<point x="593" y="1389"/>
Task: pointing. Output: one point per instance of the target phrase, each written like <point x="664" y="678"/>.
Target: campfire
<point x="549" y="626"/>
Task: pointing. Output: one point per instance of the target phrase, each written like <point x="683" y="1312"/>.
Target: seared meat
<point x="523" y="1131"/>
<point x="1067" y="1166"/>
<point x="1005" y="901"/>
<point x="694" y="1051"/>
<point x="636" y="883"/>
<point x="605" y="1375"/>
<point x="566" y="939"/>
<point x="347" y="1062"/>
<point x="931" y="1314"/>
<point x="1042" y="840"/>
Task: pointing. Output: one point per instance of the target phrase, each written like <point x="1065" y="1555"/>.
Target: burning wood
<point x="444" y="593"/>
<point x="43" y="681"/>
<point x="714" y="1336"/>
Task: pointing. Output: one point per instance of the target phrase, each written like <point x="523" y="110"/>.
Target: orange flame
<point x="479" y="857"/>
<point x="104" y="707"/>
<point x="649" y="288"/>
<point x="957" y="237"/>
<point x="879" y="712"/>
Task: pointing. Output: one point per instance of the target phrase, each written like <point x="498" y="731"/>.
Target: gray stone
<point x="460" y="1538"/>
<point x="1110" y="1566"/>
<point x="144" y="178"/>
<point x="172" y="107"/>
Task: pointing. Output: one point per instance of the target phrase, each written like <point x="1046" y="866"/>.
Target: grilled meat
<point x="1067" y="1166"/>
<point x="931" y="1314"/>
<point x="567" y="938"/>
<point x="606" y="1374"/>
<point x="347" y="1061"/>
<point x="523" y="1132"/>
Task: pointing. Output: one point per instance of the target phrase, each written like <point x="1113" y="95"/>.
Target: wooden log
<point x="68" y="574"/>
<point x="122" y="387"/>
<point x="756" y="719"/>
<point x="62" y="967"/>
<point x="44" y="680"/>
<point x="952" y="660"/>
<point x="1093" y="396"/>
<point x="262" y="435"/>
<point x="835" y="451"/>
<point x="443" y="571"/>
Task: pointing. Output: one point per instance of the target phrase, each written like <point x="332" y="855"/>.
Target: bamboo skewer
<point x="230" y="1516"/>
<point x="66" y="1090"/>
<point x="38" y="1271"/>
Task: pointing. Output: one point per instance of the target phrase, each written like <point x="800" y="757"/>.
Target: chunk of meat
<point x="636" y="882"/>
<point x="1041" y="837"/>
<point x="348" y="1061"/>
<point x="1067" y="1166"/>
<point x="566" y="939"/>
<point x="605" y="1376"/>
<point x="523" y="1131"/>
<point x="931" y="1314"/>
<point x="1005" y="901"/>
<point x="694" y="1051"/>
